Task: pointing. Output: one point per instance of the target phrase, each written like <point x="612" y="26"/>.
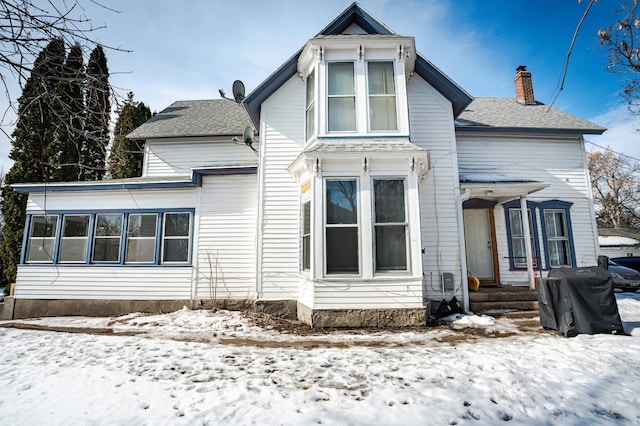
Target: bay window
<point x="306" y="236"/>
<point x="382" y="96"/>
<point x="310" y="127"/>
<point x="341" y="226"/>
<point x="390" y="225"/>
<point x="341" y="102"/>
<point x="42" y="238"/>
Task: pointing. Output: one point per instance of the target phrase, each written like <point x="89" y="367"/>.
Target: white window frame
<point x="129" y="238"/>
<point x="394" y="95"/>
<point x="165" y="238"/>
<point x="51" y="240"/>
<point x="357" y="226"/>
<point x="305" y="225"/>
<point x="375" y="224"/>
<point x="564" y="239"/>
<point x="354" y="97"/>
<point x="107" y="237"/>
<point x="310" y="107"/>
<point x="63" y="238"/>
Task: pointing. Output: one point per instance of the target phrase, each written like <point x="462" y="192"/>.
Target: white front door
<point x="477" y="237"/>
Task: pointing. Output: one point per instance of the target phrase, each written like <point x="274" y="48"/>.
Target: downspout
<point x="461" y="198"/>
<point x="526" y="230"/>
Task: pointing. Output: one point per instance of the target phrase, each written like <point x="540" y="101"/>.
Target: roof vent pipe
<point x="524" y="86"/>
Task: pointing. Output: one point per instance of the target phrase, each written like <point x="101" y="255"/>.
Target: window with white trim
<point x="306" y="235"/>
<point x="518" y="252"/>
<point x="141" y="238"/>
<point x="341" y="97"/>
<point x="310" y="127"/>
<point x="559" y="253"/>
<point x="74" y="239"/>
<point x="382" y="96"/>
<point x="176" y="237"/>
<point x="341" y="226"/>
<point x="390" y="225"/>
<point x="42" y="238"/>
<point x="107" y="241"/>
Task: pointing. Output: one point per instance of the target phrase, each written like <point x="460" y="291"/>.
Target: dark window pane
<point x="342" y="202"/>
<point x="73" y="250"/>
<point x="142" y="250"/>
<point x="342" y="250"/>
<point x="176" y="250"/>
<point x="108" y="225"/>
<point x="142" y="225"/>
<point x="176" y="225"/>
<point x="76" y="226"/>
<point x="44" y="226"/>
<point x="391" y="248"/>
<point x="306" y="252"/>
<point x="106" y="249"/>
<point x="389" y="201"/>
<point x="306" y="218"/>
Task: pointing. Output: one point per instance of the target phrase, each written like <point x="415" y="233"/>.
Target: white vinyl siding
<point x="176" y="158"/>
<point x="431" y="125"/>
<point x="225" y="251"/>
<point x="279" y="241"/>
<point x="103" y="282"/>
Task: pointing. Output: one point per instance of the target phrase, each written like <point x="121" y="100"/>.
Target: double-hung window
<point x="75" y="238"/>
<point x="516" y="228"/>
<point x="108" y="236"/>
<point x="176" y="237"/>
<point x="341" y="226"/>
<point x="341" y="97"/>
<point x="390" y="224"/>
<point x="306" y="236"/>
<point x="310" y="128"/>
<point x="42" y="238"/>
<point x="557" y="238"/>
<point x="382" y="96"/>
<point x="141" y="238"/>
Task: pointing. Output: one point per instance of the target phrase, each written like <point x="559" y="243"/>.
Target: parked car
<point x="624" y="278"/>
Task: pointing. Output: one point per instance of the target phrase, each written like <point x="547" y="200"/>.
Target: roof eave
<point x="528" y="130"/>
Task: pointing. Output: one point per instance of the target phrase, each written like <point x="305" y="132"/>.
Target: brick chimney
<point x="524" y="86"/>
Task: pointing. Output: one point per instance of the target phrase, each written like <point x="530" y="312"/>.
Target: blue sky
<point x="189" y="50"/>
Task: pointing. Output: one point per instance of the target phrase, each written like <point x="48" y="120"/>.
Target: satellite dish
<point x="248" y="135"/>
<point x="238" y="92"/>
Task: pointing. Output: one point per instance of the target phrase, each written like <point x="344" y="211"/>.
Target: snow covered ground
<point x="200" y="367"/>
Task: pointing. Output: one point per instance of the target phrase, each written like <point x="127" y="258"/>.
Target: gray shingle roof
<point x="506" y="114"/>
<point x="212" y="117"/>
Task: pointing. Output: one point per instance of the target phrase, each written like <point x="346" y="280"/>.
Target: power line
<point x="611" y="150"/>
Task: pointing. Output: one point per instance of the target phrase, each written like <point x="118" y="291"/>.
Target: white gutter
<point x="462" y="248"/>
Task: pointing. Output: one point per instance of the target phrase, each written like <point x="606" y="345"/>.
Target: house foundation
<point x="377" y="318"/>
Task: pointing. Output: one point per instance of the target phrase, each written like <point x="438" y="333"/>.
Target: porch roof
<point x="498" y="187"/>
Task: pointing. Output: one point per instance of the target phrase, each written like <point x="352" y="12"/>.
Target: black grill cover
<point x="579" y="300"/>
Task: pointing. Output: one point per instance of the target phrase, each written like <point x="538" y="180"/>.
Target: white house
<point x="378" y="186"/>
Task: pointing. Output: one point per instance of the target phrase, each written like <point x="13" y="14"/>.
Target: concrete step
<point x="517" y="305"/>
<point x="513" y="315"/>
<point x="506" y="296"/>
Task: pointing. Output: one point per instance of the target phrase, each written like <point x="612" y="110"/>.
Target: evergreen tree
<point x="68" y="120"/>
<point x="94" y="149"/>
<point x="126" y="156"/>
<point x="31" y="138"/>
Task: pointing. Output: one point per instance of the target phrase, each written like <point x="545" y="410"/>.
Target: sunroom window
<point x="382" y="96"/>
<point x="108" y="233"/>
<point x="141" y="238"/>
<point x="42" y="238"/>
<point x="175" y="246"/>
<point x="75" y="238"/>
<point x="342" y="250"/>
<point x="390" y="223"/>
<point x="341" y="97"/>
